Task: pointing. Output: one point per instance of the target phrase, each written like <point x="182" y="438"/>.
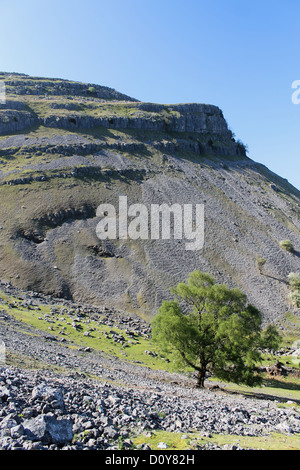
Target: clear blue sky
<point x="237" y="54"/>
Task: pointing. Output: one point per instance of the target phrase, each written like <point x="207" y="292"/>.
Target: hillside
<point x="67" y="147"/>
<point x="78" y="368"/>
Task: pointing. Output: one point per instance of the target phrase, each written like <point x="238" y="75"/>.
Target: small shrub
<point x="260" y="263"/>
<point x="286" y="245"/>
<point x="294" y="283"/>
<point x="242" y="148"/>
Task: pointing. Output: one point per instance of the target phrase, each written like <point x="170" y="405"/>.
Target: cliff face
<point x="184" y="118"/>
<point x="51" y="104"/>
<point x="66" y="148"/>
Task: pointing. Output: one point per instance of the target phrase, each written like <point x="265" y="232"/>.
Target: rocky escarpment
<point x="187" y="118"/>
<point x="15" y="117"/>
<point x="73" y="147"/>
<point x="99" y="106"/>
<point x="21" y="84"/>
<point x="181" y="118"/>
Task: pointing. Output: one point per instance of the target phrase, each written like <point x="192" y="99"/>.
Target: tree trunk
<point x="201" y="378"/>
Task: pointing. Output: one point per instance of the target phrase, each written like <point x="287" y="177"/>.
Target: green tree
<point x="210" y="327"/>
<point x="271" y="339"/>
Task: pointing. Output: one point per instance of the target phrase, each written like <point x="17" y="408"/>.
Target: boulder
<point x="49" y="429"/>
<point x="49" y="395"/>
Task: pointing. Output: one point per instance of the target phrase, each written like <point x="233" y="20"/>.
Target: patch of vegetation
<point x="194" y="440"/>
<point x="14" y="359"/>
<point x="286" y="245"/>
<point x="86" y="333"/>
<point x="290" y="327"/>
<point x="283" y="390"/>
<point x="260" y="263"/>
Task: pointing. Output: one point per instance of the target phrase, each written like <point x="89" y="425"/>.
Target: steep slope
<point x="66" y="148"/>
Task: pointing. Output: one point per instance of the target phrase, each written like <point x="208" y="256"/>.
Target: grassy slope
<point x="192" y="440"/>
<point x="100" y="336"/>
<point x="285" y="390"/>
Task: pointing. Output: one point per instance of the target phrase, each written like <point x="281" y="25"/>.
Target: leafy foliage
<point x="271" y="339"/>
<point x="210" y="327"/>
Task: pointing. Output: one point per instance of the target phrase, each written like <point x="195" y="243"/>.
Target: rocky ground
<point x="99" y="403"/>
<point x="44" y="411"/>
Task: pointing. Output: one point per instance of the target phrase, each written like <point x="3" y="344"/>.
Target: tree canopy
<point x="210" y="327"/>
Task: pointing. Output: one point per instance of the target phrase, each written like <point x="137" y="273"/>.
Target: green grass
<point x="290" y="325"/>
<point x="100" y="336"/>
<point x="192" y="440"/>
<point x="282" y="389"/>
<point x="17" y="359"/>
<point x="42" y="107"/>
